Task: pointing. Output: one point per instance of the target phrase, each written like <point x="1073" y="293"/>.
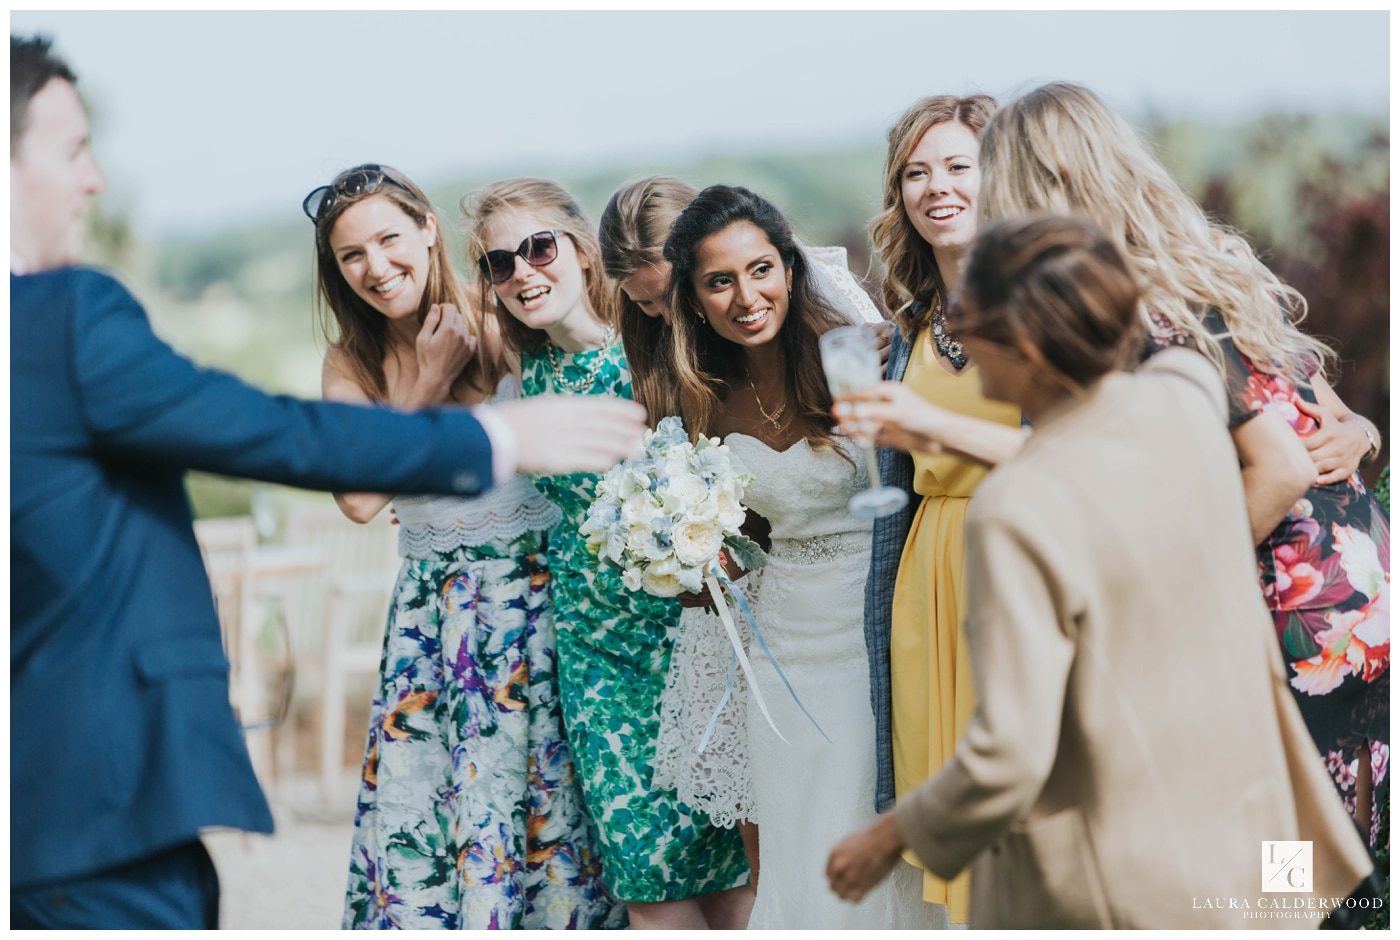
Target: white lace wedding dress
<point x="717" y="780"/>
<point x="809" y="793"/>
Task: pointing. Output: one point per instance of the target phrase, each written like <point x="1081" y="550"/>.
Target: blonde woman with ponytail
<point x="1322" y="541"/>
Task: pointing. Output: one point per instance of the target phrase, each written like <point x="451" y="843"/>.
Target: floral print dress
<point x="469" y="813"/>
<point x="614" y="651"/>
<point x="1325" y="572"/>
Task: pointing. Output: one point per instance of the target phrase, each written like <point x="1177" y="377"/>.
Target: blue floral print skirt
<point x="469" y="814"/>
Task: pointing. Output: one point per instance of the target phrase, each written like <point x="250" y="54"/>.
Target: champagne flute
<point x="852" y="364"/>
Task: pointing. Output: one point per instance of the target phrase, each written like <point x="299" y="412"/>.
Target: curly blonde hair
<point x="1060" y="149"/>
<point x="910" y="271"/>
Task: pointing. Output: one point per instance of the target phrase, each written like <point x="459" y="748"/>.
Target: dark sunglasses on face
<point x="537" y="251"/>
<point x="366" y="178"/>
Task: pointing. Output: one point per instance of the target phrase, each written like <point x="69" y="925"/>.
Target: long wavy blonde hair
<point x="632" y="232"/>
<point x="553" y="204"/>
<point x="1060" y="149"/>
<point x="910" y="271"/>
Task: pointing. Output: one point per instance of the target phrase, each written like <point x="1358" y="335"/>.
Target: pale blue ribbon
<point x="743" y="606"/>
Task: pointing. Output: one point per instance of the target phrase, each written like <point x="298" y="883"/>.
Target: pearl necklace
<point x="579" y="387"/>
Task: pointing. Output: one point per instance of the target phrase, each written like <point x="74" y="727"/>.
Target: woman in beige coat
<point x="1135" y="750"/>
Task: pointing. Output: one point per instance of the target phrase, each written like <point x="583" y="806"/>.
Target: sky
<point x="206" y="122"/>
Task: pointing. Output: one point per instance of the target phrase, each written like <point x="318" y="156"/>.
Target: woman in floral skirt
<point x="469" y="814"/>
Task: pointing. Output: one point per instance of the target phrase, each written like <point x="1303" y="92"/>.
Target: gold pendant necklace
<point x="775" y="419"/>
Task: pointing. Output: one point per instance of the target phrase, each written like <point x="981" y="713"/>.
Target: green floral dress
<point x="614" y="649"/>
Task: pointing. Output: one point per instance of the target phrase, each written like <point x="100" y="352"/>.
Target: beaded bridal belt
<point x="820" y="548"/>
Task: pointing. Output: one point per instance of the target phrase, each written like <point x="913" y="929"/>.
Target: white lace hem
<point x="429" y="525"/>
<point x="716" y="781"/>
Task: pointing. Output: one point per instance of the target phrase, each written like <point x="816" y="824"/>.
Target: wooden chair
<point x="228" y="545"/>
<point x="361" y="563"/>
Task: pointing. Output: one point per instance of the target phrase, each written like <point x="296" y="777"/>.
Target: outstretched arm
<point x="142" y="401"/>
<point x="899" y="417"/>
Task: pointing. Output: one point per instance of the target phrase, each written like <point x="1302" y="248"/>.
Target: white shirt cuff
<point x="505" y="450"/>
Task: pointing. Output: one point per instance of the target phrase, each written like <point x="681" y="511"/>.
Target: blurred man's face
<point x="53" y="174"/>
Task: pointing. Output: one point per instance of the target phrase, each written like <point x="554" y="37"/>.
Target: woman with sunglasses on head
<point x="747" y="315"/>
<point x="1323" y="543"/>
<point x="469" y="813"/>
<point x="915" y="597"/>
<point x="632" y="233"/>
<point x="540" y="270"/>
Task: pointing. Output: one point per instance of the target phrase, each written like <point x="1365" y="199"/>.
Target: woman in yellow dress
<point x="921" y="680"/>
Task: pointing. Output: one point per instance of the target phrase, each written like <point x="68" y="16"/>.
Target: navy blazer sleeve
<point x="123" y="741"/>
<point x="143" y="401"/>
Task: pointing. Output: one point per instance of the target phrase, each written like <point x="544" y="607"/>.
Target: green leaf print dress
<point x="614" y="648"/>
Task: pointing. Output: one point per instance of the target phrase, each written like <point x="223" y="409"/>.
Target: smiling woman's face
<point x="545" y="296"/>
<point x="383" y="255"/>
<point x="741" y="284"/>
<point x="939" y="183"/>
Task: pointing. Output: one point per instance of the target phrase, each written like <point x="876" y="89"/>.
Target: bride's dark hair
<point x="707" y="365"/>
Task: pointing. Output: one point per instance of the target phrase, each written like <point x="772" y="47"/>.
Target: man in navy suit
<point x="123" y="743"/>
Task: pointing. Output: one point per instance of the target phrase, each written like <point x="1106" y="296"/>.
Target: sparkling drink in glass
<point x="852" y="364"/>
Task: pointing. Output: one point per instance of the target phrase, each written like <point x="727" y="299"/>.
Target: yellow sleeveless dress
<point x="930" y="675"/>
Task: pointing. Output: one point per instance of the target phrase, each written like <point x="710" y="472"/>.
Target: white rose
<point x="632" y="579"/>
<point x="676" y="466"/>
<point x="688" y="488"/>
<point x="639" y="538"/>
<point x="731" y="511"/>
<point x="691" y="579"/>
<point x="706" y="510"/>
<point x="697" y="541"/>
<point x="631" y="483"/>
<point x="660" y="585"/>
<point x="637" y="509"/>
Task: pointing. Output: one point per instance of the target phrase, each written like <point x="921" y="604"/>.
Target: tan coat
<point x="1134" y="740"/>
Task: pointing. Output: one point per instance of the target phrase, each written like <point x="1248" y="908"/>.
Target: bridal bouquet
<point x="664" y="517"/>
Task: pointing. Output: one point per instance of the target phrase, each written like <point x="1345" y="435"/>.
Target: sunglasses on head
<point x="363" y="179"/>
<point x="537" y="251"/>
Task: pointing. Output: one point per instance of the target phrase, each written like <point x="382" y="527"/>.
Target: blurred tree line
<point x="1312" y="194"/>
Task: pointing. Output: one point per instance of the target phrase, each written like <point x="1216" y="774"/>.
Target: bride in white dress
<point x="747" y="315"/>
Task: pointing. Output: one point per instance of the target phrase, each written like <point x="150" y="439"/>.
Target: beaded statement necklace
<point x="943" y="339"/>
<point x="581" y="386"/>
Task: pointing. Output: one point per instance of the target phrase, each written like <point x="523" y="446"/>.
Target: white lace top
<point x="429" y="524"/>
